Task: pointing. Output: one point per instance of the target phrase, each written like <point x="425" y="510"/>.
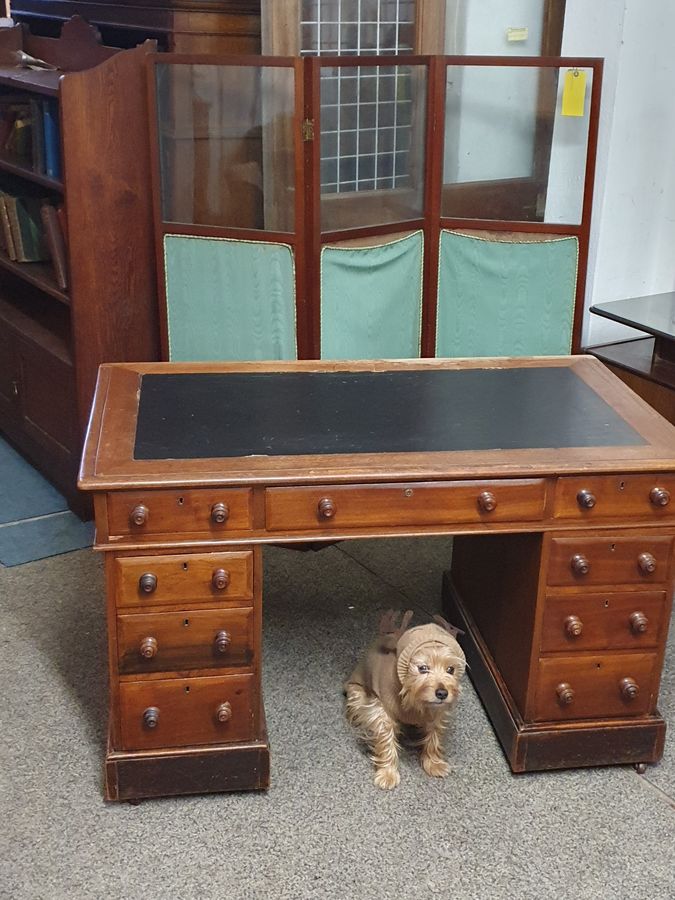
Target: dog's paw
<point x="387" y="778"/>
<point x="437" y="768"/>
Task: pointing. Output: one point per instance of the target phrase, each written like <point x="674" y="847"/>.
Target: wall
<point x="632" y="249"/>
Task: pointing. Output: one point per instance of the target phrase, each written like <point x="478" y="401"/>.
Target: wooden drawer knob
<point x="573" y="626"/>
<point x="647" y="563"/>
<point x="148" y="582"/>
<point x="220" y="579"/>
<point x="629" y="688"/>
<point x="565" y="694"/>
<point x="659" y="496"/>
<point x="224" y="712"/>
<point x="148" y="647"/>
<point x="220" y="513"/>
<point x="326" y="508"/>
<point x="139" y="515"/>
<point x="151" y="717"/>
<point x="487" y="501"/>
<point x="222" y="641"/>
<point x="586" y="499"/>
<point x="580" y="564"/>
<point x="638" y="622"/>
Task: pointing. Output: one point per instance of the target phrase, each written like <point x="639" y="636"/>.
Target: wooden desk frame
<point x="559" y="694"/>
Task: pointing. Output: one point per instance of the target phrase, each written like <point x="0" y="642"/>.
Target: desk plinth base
<point x="200" y="770"/>
<point x="542" y="746"/>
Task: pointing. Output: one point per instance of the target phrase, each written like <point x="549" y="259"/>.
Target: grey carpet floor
<point x="322" y="830"/>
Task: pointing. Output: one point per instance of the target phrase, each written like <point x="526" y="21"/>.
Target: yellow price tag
<point x="574" y="93"/>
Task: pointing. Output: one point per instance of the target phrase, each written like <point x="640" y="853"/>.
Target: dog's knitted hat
<point x="414" y="639"/>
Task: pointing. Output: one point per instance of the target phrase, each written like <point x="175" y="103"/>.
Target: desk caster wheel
<point x="640" y="768"/>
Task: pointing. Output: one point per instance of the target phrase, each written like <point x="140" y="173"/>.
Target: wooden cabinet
<point x="54" y="332"/>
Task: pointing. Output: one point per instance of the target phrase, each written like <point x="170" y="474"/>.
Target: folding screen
<point x="373" y="206"/>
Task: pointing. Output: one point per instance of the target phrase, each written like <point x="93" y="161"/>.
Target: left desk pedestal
<point x="184" y="634"/>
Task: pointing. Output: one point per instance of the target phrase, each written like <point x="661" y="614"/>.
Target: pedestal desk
<point x="555" y="478"/>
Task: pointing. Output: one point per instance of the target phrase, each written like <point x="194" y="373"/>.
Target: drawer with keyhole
<point x="595" y="621"/>
<point x="180" y="641"/>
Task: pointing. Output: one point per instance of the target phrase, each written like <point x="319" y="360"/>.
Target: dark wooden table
<point x="554" y="477"/>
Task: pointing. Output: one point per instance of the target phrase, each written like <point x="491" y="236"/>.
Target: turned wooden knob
<point x="647" y="563"/>
<point x="220" y="513"/>
<point x="148" y="647"/>
<point x="139" y="515"/>
<point x="573" y="626"/>
<point x="220" y="579"/>
<point x="659" y="496"/>
<point x="487" y="501"/>
<point x="580" y="564"/>
<point x="586" y="499"/>
<point x="147" y="582"/>
<point x="151" y="717"/>
<point x="222" y="641"/>
<point x="224" y="712"/>
<point x="327" y="508"/>
<point x="629" y="688"/>
<point x="565" y="694"/>
<point x="638" y="622"/>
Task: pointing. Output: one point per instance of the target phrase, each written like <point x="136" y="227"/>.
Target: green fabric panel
<point x="499" y="298"/>
<point x="229" y="299"/>
<point x="371" y="300"/>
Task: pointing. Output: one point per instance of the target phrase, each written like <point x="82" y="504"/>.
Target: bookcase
<point x="80" y="171"/>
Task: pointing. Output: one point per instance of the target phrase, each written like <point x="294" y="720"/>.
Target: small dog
<point x="407" y="677"/>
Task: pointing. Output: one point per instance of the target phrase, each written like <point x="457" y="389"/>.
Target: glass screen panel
<point x="373" y="121"/>
<point x="509" y="152"/>
<point x="226" y="145"/>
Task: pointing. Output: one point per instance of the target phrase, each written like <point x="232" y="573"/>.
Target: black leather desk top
<point x="218" y="415"/>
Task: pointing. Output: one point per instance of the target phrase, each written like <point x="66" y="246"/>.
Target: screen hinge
<point x="308" y="129"/>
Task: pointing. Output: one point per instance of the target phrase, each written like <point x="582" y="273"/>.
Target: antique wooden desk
<point x="556" y="479"/>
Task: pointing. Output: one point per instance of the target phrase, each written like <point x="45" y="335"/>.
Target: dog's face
<point x="433" y="679"/>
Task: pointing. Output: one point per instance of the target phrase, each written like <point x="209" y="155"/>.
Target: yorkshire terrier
<point x="406" y="678"/>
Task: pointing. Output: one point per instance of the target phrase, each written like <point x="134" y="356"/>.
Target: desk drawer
<point x="184" y="711"/>
<point x="627" y="496"/>
<point x="213" y="511"/>
<point x="596" y="686"/>
<point x="583" y="561"/>
<point x="617" y="621"/>
<point x="396" y="505"/>
<point x="198" y="639"/>
<point x="143" y="581"/>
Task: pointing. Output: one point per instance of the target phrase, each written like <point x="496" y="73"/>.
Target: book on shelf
<point x="52" y="139"/>
<point x="6" y="229"/>
<point x="26" y="225"/>
<point x="55" y="243"/>
<point x="30" y="133"/>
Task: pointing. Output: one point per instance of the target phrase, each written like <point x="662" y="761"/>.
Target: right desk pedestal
<point x="564" y="635"/>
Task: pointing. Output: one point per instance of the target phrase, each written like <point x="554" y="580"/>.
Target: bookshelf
<point x="83" y="216"/>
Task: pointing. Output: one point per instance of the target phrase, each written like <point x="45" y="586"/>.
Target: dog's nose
<point x="441" y="693"/>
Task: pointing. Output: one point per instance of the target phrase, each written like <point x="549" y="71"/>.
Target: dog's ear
<point x="389" y="625"/>
<point x="386" y="625"/>
<point x="451" y="629"/>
